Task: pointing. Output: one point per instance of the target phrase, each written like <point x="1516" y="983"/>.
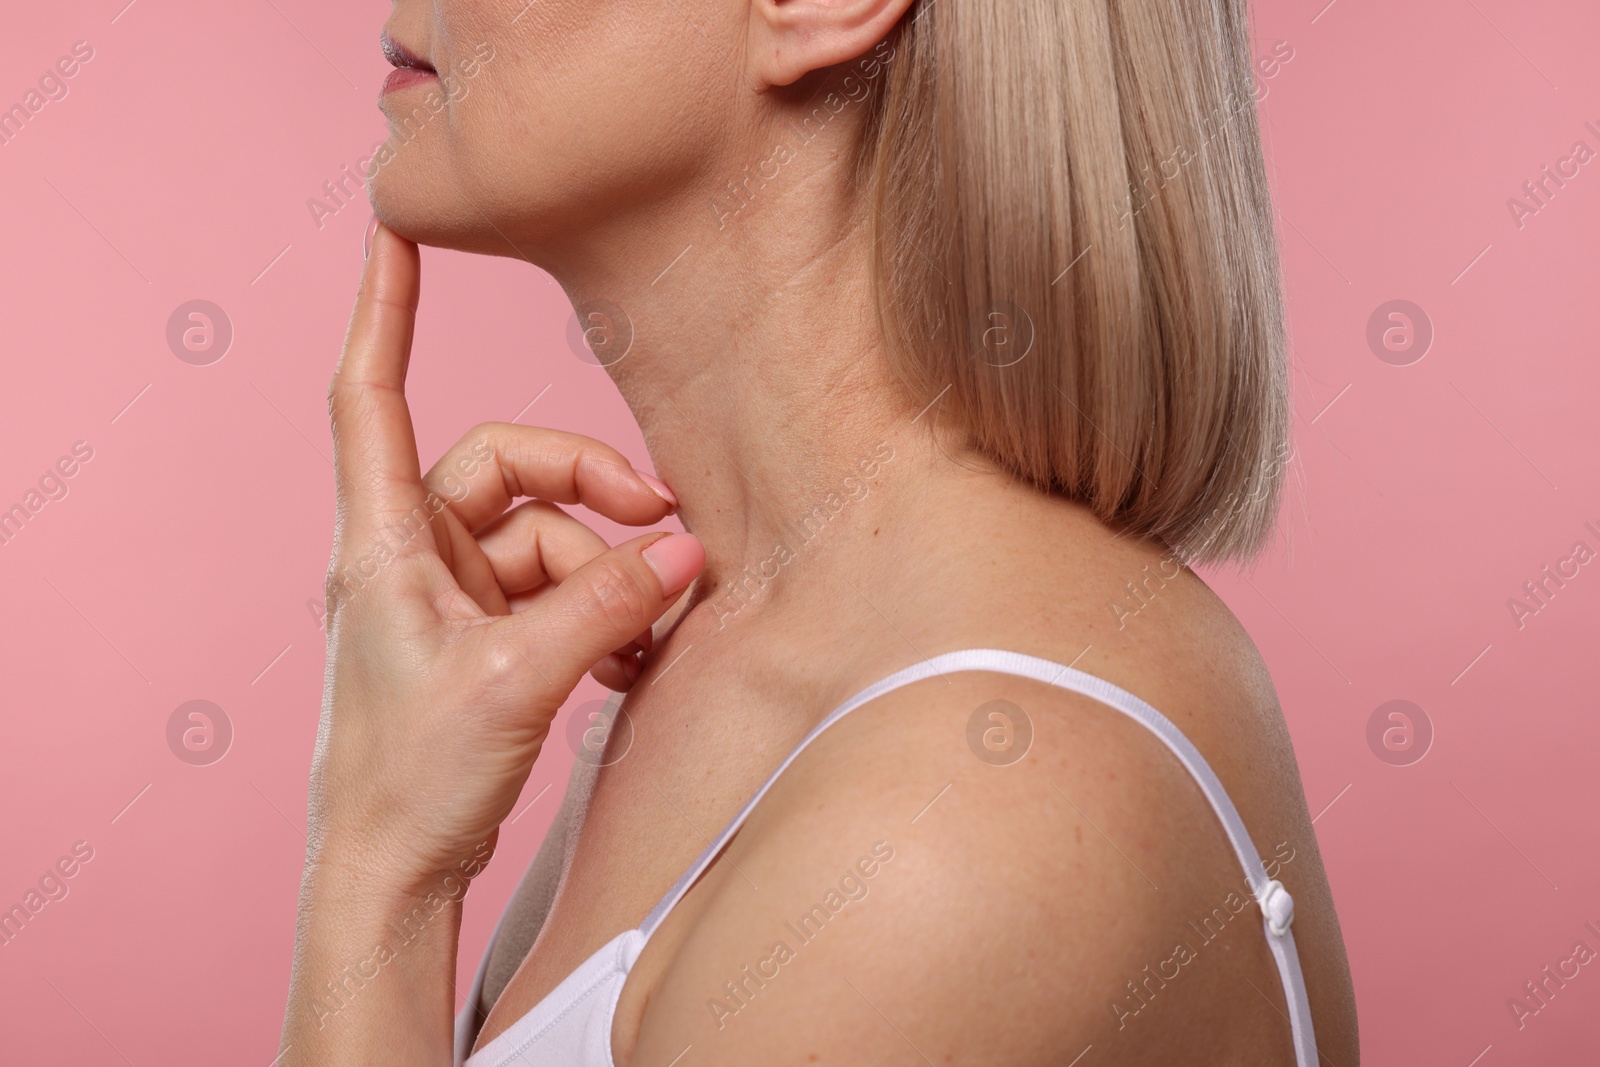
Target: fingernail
<point x="658" y="485"/>
<point x="366" y="242"/>
<point x="676" y="559"/>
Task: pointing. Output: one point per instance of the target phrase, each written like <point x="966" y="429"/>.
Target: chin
<point x="430" y="220"/>
<point x="418" y="198"/>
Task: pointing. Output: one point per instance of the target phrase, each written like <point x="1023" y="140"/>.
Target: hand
<point x="459" y="624"/>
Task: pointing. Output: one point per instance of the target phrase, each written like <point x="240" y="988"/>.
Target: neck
<point x="755" y="369"/>
<point x="842" y="525"/>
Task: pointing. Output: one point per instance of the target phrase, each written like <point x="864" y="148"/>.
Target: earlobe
<point x="792" y="38"/>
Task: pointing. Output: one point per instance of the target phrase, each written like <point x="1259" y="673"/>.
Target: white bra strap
<point x="1276" y="905"/>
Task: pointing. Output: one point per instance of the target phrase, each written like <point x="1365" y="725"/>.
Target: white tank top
<point x="572" y="1026"/>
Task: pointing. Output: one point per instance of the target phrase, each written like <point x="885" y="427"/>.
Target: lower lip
<point x="405" y="78"/>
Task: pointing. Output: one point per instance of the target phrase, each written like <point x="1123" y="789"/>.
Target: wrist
<point x="373" y="965"/>
<point x="387" y="881"/>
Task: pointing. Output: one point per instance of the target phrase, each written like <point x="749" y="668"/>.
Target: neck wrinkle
<point x="762" y="387"/>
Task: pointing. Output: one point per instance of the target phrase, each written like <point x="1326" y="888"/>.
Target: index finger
<point x="484" y="472"/>
<point x="374" y="446"/>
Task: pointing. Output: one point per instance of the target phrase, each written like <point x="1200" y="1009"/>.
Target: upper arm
<point x="898" y="899"/>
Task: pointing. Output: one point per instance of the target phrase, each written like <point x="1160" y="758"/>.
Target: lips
<point x="410" y="68"/>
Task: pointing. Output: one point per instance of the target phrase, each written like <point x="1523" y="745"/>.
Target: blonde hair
<point x="1087" y="175"/>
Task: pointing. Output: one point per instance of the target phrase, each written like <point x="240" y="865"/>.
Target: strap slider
<point x="1278" y="907"/>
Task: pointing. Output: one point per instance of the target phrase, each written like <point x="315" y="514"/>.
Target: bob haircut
<point x="1074" y="244"/>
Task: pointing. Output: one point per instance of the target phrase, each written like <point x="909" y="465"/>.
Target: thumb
<point x="606" y="603"/>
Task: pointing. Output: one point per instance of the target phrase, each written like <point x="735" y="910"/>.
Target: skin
<point x="1020" y="900"/>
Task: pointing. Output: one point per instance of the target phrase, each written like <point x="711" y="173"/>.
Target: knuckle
<point x="481" y="442"/>
<point x="350" y="405"/>
<point x="616" y="596"/>
<point x="337" y="391"/>
<point x="330" y="586"/>
<point x="330" y="580"/>
<point x="456" y="469"/>
<point x="341" y="389"/>
<point x="501" y="666"/>
<point x="334" y="588"/>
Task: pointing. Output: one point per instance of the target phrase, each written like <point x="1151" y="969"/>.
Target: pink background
<point x="182" y="562"/>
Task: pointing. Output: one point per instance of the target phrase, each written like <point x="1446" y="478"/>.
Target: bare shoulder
<point x="983" y="867"/>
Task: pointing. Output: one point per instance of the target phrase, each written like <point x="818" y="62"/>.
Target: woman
<point x="952" y="326"/>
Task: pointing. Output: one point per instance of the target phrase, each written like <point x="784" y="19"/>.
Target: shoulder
<point x="977" y="866"/>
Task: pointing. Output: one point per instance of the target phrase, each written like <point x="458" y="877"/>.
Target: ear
<point x="791" y="38"/>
